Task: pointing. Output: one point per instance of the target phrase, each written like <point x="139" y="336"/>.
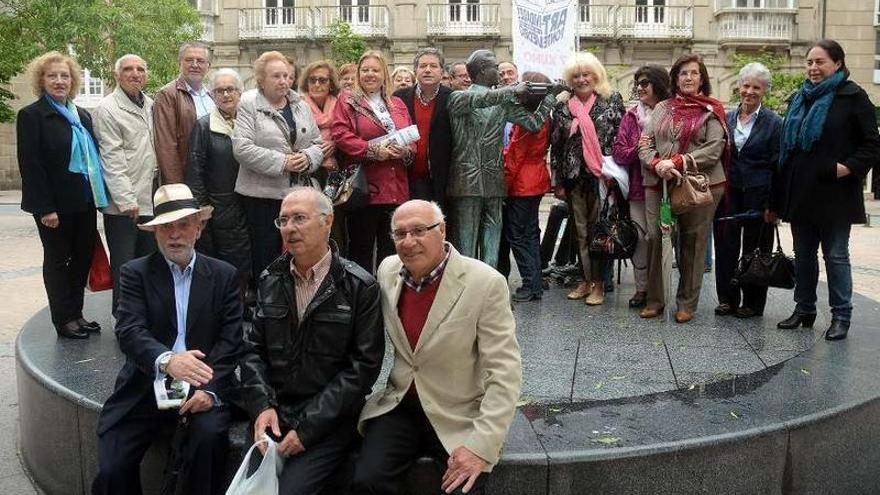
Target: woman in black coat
<point x="211" y="172"/>
<point x="829" y="144"/>
<point x="61" y="185"/>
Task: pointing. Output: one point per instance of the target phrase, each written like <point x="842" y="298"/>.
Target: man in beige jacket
<point x="457" y="374"/>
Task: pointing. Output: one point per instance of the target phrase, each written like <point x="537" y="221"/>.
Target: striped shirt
<point x="307" y="284"/>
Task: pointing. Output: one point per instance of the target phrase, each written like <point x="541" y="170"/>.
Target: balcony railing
<point x="756" y="25"/>
<point x="596" y="21"/>
<point x="632" y="21"/>
<point x="464" y="19"/>
<point x="366" y="20"/>
<point x="207" y="27"/>
<point x="311" y="22"/>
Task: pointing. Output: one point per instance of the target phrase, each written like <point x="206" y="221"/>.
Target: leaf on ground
<point x="693" y="386"/>
<point x="524" y="401"/>
<point x="734" y="414"/>
<point x="618" y="377"/>
<point x="606" y="440"/>
<point x="555" y="410"/>
<point x="599" y="385"/>
<point x="805" y="371"/>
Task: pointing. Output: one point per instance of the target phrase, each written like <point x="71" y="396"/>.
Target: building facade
<point x="624" y="34"/>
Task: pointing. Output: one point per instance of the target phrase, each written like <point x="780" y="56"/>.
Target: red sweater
<point x="413" y="308"/>
<point x="420" y="167"/>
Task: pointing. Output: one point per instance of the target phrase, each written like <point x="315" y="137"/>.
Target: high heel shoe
<point x="797" y="320"/>
<point x="837" y="330"/>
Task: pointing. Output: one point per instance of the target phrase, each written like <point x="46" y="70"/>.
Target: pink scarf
<point x="324" y="119"/>
<point x="589" y="141"/>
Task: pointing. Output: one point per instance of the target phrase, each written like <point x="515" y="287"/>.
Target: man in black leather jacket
<point x="315" y="348"/>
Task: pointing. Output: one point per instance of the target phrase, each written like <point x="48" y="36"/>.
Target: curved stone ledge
<point x="804" y="425"/>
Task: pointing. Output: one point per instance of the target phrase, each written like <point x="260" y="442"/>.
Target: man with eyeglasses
<point x="457" y="372"/>
<point x="178" y="105"/>
<point x="123" y="123"/>
<point x="315" y="348"/>
<point x="459" y="79"/>
<point x="426" y="102"/>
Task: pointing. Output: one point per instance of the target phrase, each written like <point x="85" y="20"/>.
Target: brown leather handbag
<point x="692" y="190"/>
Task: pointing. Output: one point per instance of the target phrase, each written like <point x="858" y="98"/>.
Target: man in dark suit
<point x="179" y="315"/>
<point x="426" y="102"/>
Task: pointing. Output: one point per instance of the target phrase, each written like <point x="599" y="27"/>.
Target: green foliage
<point x="98" y="32"/>
<point x="346" y="46"/>
<point x="784" y="81"/>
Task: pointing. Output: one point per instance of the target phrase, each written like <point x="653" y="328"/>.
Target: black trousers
<point x="392" y="442"/>
<point x="265" y="237"/>
<point x="67" y="257"/>
<point x="369" y="228"/>
<point x="734" y="237"/>
<point x="567" y="252"/>
<point x="125" y="241"/>
<point x="121" y="449"/>
<point x="321" y="469"/>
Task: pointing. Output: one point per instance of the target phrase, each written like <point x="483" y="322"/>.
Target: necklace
<point x="425" y="101"/>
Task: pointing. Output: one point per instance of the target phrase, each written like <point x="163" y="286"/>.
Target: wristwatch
<point x="163" y="363"/>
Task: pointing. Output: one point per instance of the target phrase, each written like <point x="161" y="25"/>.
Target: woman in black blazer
<point x="754" y="130"/>
<point x="61" y="186"/>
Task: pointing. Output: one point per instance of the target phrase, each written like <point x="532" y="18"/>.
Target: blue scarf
<point x="84" y="158"/>
<point x="803" y="128"/>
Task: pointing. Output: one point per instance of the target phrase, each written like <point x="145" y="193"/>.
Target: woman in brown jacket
<point x="690" y="127"/>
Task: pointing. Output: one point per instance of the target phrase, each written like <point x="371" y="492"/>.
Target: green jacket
<point x="478" y="116"/>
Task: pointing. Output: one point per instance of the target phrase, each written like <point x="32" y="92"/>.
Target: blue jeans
<point x="476" y="223"/>
<point x="834" y="240"/>
<point x="524" y="236"/>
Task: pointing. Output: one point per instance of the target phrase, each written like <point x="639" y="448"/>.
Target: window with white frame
<point x="354" y="11"/>
<point x="877" y="59"/>
<point x="471" y="10"/>
<point x="650" y="11"/>
<point x="584" y="10"/>
<point x="756" y="4"/>
<point x="279" y="12"/>
<point x="91" y="91"/>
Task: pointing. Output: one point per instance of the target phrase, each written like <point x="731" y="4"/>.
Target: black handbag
<point x="765" y="269"/>
<point x="615" y="235"/>
<point x="348" y="188"/>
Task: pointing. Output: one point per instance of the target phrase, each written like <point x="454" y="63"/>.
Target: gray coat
<point x="260" y="144"/>
<point x="125" y="138"/>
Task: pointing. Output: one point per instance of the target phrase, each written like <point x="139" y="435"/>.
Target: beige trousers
<point x="640" y="256"/>
<point x="584" y="206"/>
<point x="694" y="228"/>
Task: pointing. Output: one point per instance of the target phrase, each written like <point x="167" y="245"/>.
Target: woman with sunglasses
<point x="651" y="86"/>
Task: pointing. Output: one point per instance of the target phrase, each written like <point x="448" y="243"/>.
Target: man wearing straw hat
<point x="179" y="316"/>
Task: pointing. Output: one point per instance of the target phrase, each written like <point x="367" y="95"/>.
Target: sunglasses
<point x="318" y="80"/>
<point x="644" y="83"/>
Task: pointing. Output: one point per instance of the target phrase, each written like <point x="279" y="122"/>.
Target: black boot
<point x="837" y="330"/>
<point x="795" y="320"/>
<point x="88" y="326"/>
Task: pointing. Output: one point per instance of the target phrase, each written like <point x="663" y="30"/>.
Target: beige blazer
<point x="466" y="364"/>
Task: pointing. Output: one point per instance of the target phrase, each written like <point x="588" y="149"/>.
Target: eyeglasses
<point x="416" y="232"/>
<point x="318" y="80"/>
<point x="225" y="91"/>
<point x="195" y="61"/>
<point x="644" y="83"/>
<point x="297" y="220"/>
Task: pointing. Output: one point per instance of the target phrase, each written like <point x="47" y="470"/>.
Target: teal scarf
<point x="803" y="128"/>
<point x="84" y="158"/>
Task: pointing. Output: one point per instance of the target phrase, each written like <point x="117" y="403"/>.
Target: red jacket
<point x="525" y="162"/>
<point x="354" y="124"/>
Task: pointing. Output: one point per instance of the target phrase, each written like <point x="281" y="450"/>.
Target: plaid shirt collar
<point x="436" y="273"/>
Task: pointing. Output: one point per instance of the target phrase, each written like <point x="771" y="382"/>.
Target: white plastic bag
<point x="264" y="481"/>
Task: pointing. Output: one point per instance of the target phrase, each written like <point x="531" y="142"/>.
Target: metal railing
<point x="366" y="20"/>
<point x="464" y="19"/>
<point x="756" y="24"/>
<point x="632" y="21"/>
<point x="311" y="22"/>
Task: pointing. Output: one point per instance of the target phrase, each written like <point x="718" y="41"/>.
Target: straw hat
<point x="172" y="202"/>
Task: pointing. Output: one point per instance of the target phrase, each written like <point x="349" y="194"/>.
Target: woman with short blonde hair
<point x="402" y="77"/>
<point x="36" y="70"/>
<point x="587" y="61"/>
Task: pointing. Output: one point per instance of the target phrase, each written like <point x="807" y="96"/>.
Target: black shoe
<point x="88" y="326"/>
<point x="746" y="312"/>
<point x="837" y="330"/>
<point x="71" y="330"/>
<point x="723" y="309"/>
<point x="638" y="300"/>
<point x="521" y="296"/>
<point x="796" y="320"/>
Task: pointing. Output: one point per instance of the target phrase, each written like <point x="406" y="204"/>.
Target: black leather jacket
<point x="317" y="372"/>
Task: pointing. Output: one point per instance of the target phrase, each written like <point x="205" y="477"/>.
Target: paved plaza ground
<point x="576" y="360"/>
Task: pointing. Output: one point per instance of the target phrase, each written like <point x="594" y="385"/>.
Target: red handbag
<point x="100" y="277"/>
